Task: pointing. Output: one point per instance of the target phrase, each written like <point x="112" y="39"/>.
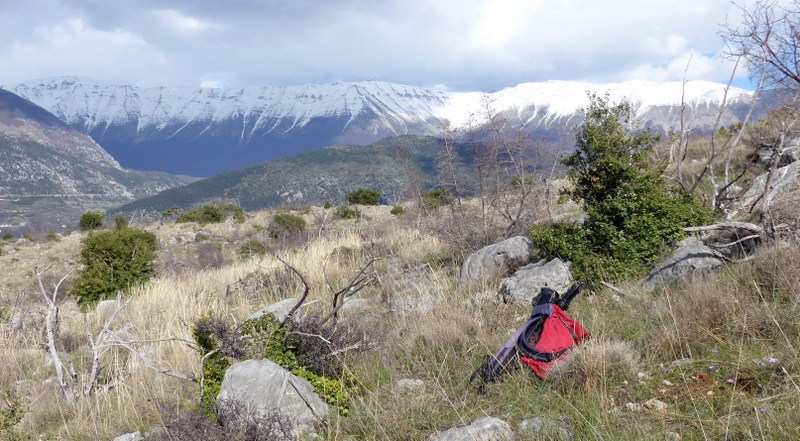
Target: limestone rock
<point x="496" y="260"/>
<point x="135" y="436"/>
<point x="655" y="404"/>
<point x="543" y="428"/>
<point x="526" y="282"/>
<point x="482" y="429"/>
<point x="690" y="258"/>
<point x="408" y="384"/>
<point x="785" y="179"/>
<point x="280" y="309"/>
<point x="261" y="387"/>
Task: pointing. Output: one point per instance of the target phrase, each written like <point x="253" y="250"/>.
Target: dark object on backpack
<point x="540" y="342"/>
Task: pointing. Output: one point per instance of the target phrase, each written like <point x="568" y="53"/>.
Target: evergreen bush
<point x="114" y="260"/>
<point x="288" y="222"/>
<point x="436" y="197"/>
<point x="364" y="196"/>
<point x="91" y="220"/>
<point x="345" y="212"/>
<point x="632" y="211"/>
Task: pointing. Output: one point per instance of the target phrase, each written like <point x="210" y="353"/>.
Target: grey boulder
<point x="255" y="388"/>
<point x="527" y="281"/>
<point x="690" y="258"/>
<point x="497" y="260"/>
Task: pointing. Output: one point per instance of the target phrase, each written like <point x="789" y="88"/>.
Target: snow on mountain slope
<point x="82" y="101"/>
<point x="94" y="104"/>
<point x="203" y="131"/>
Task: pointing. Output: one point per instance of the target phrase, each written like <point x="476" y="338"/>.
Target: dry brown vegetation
<point x="742" y="321"/>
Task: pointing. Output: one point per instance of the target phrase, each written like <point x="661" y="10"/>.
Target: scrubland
<point x="720" y="350"/>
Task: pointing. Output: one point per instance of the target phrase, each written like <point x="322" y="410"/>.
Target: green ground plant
<point x="262" y="337"/>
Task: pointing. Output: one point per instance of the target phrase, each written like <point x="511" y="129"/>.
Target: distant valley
<point x="51" y="173"/>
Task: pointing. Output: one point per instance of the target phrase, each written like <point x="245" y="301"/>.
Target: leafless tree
<point x="106" y="339"/>
<point x="768" y="35"/>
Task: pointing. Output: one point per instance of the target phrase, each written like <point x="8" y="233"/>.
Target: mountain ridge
<point x="197" y="131"/>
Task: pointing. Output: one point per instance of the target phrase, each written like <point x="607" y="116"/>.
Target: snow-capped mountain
<point x="203" y="131"/>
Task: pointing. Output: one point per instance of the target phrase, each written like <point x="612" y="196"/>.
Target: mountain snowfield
<point x="204" y="131"/>
<point x="94" y="104"/>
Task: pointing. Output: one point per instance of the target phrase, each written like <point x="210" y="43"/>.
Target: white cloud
<point x="184" y="23"/>
<point x="463" y="44"/>
<point x="72" y="47"/>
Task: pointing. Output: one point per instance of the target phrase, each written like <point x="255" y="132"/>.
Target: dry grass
<point x="428" y="329"/>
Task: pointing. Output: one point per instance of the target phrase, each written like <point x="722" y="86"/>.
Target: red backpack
<point x="541" y="342"/>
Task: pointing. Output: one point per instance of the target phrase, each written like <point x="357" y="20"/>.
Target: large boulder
<point x="497" y="260"/>
<point x="259" y="388"/>
<point x="691" y="257"/>
<point x="482" y="429"/>
<point x="785" y="180"/>
<point x="527" y="281"/>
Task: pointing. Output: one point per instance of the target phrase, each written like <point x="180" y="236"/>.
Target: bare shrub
<point x="595" y="365"/>
<point x="322" y="347"/>
<point x="210" y="255"/>
<point x="241" y="426"/>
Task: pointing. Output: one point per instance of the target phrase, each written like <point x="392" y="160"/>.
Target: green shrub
<point x="288" y="222"/>
<point x="252" y="247"/>
<point x="327" y="204"/>
<point x="364" y="196"/>
<point x="114" y="261"/>
<point x="52" y="236"/>
<point x="345" y="212"/>
<point x="212" y="214"/>
<point x="207" y="214"/>
<point x="7" y="236"/>
<point x="396" y="210"/>
<point x="91" y="220"/>
<point x="632" y="212"/>
<point x="11" y="410"/>
<point x="120" y="222"/>
<point x="437" y="197"/>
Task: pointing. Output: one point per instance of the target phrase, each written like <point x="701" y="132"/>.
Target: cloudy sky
<point x="460" y="45"/>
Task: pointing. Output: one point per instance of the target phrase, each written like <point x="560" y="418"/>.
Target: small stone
<point x="655" y="404"/>
<point x="135" y="436"/>
<point x="408" y="384"/>
<point x="633" y="407"/>
<point x="667" y="383"/>
<point x="482" y="429"/>
<point x="681" y="362"/>
<point x="672" y="436"/>
<point x="642" y="376"/>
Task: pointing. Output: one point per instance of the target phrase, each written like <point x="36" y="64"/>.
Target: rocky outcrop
<point x="527" y="281"/>
<point x="482" y="429"/>
<point x="256" y="388"/>
<point x="785" y="180"/>
<point x="691" y="257"/>
<point x="497" y="260"/>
